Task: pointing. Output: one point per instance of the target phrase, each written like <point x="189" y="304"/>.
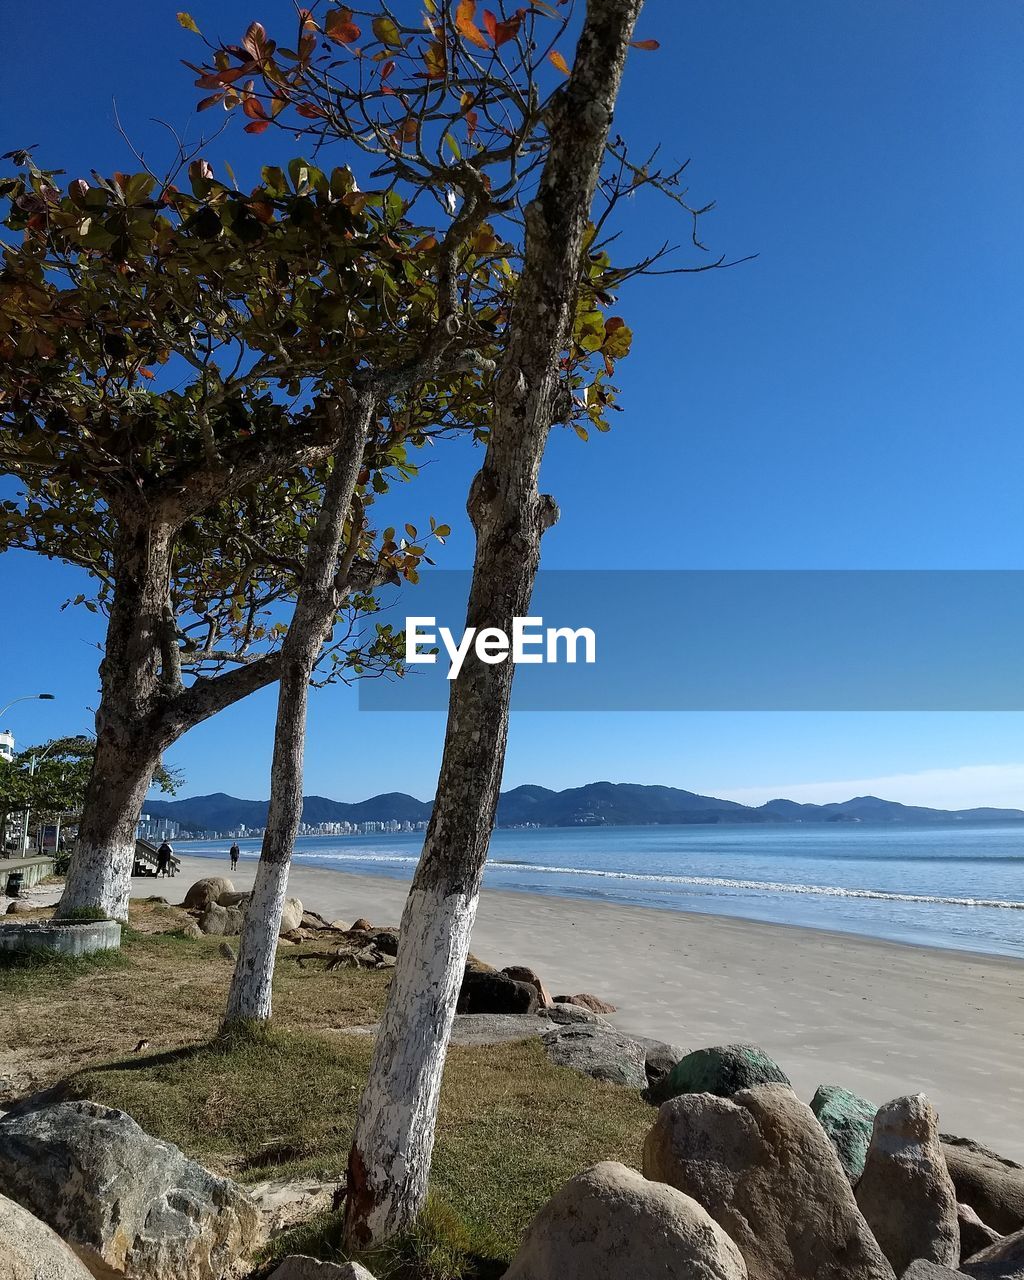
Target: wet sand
<point x="878" y="1017"/>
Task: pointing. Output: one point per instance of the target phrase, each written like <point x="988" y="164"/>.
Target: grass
<point x="278" y="1102"/>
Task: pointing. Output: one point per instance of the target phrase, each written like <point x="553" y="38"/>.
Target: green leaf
<point x="188" y="22"/>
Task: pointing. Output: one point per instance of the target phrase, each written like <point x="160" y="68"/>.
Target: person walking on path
<point x="235" y="852"/>
<point x="163" y="859"/>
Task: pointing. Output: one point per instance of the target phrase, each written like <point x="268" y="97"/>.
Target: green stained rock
<point x="847" y="1119"/>
<point x="723" y="1070"/>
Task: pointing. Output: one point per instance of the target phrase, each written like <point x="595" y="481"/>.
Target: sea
<point x="956" y="887"/>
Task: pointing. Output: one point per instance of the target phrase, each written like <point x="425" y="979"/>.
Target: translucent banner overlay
<point x="744" y="640"/>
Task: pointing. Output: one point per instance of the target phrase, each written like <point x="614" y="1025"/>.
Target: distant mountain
<point x="597" y="804"/>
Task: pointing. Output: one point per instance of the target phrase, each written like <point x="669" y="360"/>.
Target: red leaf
<point x="255" y="40"/>
<point x="253" y="108"/>
<point x="490" y="22"/>
<point x="645" y="44"/>
<point x="428" y="242"/>
<point x="257" y="126"/>
<point x="505" y="31"/>
<point x="210" y="101"/>
<point x="310" y="112"/>
<point x="340" y="27"/>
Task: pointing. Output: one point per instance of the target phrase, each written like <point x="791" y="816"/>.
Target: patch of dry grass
<point x="512" y="1128"/>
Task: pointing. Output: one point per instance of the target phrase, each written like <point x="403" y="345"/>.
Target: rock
<point x="593" y="1003"/>
<point x="19" y="908"/>
<point x="206" y="893"/>
<point x="761" y="1165"/>
<point x="128" y="1204"/>
<point x="1003" y="1260"/>
<point x="659" y="1062"/>
<point x="600" y="1052"/>
<point x="723" y="1070"/>
<point x="221" y="921"/>
<point x="158" y="900"/>
<point x="847" y="1119"/>
<point x="291" y="916"/>
<point x="298" y="1267"/>
<point x="190" y="929"/>
<point x="905" y="1192"/>
<point x="475" y="965"/>
<point x="361" y="925"/>
<point x="520" y="973"/>
<point x="922" y="1270"/>
<point x="29" y="1250"/>
<point x="285" y="1203"/>
<point x="565" y="1014"/>
<point x="609" y="1223"/>
<point x="314" y="920"/>
<point x="494" y="993"/>
<point x="974" y="1234"/>
<point x="497" y="1028"/>
<point x="232" y="900"/>
<point x="991" y="1184"/>
<point x="227" y="951"/>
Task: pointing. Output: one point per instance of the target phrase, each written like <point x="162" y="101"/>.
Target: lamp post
<point x="28" y="697"/>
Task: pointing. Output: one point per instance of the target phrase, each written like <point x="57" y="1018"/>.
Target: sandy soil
<point x="880" y="1018"/>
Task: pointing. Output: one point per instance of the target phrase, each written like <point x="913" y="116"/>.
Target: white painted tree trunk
<point x="102" y="880"/>
<point x="250" y="998"/>
<point x="389" y="1162"/>
<point x="398" y="1109"/>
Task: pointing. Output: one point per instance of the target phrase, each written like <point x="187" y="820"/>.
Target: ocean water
<point x="959" y="887"/>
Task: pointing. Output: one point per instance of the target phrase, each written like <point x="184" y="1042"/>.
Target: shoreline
<point x="882" y="1018"/>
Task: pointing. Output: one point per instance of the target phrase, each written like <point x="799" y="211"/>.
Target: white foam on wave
<point x="712" y="882"/>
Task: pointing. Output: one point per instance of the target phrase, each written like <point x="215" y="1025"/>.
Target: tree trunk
<point x="99" y="876"/>
<point x="250" y="996"/>
<point x="390" y="1158"/>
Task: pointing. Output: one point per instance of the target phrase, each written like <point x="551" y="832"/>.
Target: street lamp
<point x="28" y="697"/>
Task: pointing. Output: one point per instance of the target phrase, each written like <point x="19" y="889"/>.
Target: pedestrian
<point x="163" y="859"/>
<point x="235" y="852"/>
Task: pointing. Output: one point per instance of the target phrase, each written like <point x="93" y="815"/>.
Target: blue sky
<point x="851" y="399"/>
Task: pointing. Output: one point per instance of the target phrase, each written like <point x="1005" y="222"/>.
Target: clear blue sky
<point x="851" y="399"/>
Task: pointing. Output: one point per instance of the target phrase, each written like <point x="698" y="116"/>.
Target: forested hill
<point x="596" y="804"/>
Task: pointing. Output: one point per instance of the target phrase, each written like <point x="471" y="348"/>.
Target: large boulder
<point x="30" y="1250"/>
<point x="847" y="1119"/>
<point x="991" y="1184"/>
<point x="905" y="1192"/>
<point x="298" y="1267"/>
<point x="600" y="1052"/>
<point x="521" y="973"/>
<point x="609" y="1223"/>
<point x="723" y="1069"/>
<point x="207" y="893"/>
<point x="922" y="1270"/>
<point x="761" y="1165"/>
<point x="221" y="921"/>
<point x="291" y="916"/>
<point x="1003" y="1260"/>
<point x="128" y="1204"/>
<point x="494" y="993"/>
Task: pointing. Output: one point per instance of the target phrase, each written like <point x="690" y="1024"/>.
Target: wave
<point x="713" y="882"/>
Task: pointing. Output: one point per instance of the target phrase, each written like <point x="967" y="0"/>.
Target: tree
<point x="52" y="779"/>
<point x="390" y="1158"/>
<point x="464" y="116"/>
<point x="273" y="317"/>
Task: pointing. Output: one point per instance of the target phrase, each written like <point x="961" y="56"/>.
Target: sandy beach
<point x="880" y="1018"/>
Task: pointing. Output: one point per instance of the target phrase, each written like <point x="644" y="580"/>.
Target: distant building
<point x="6" y="745"/>
<point x="157" y="830"/>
